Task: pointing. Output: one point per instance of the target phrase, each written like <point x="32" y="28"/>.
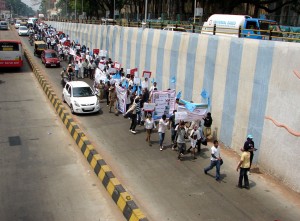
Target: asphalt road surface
<point x="166" y="189"/>
<point x="43" y="173"/>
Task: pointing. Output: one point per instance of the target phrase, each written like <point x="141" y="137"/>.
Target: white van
<point x="32" y="21"/>
<point x="3" y="25"/>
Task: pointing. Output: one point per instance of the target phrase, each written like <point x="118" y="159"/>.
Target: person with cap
<point x="113" y="99"/>
<point x="244" y="166"/>
<point x="249" y="144"/>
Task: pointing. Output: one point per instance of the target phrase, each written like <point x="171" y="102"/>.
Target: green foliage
<point x="18" y="8"/>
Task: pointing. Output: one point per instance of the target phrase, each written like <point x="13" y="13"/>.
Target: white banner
<point x="122" y="96"/>
<point x="164" y="103"/>
<point x="184" y="114"/>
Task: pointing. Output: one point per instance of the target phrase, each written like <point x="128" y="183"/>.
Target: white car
<point x="23" y="30"/>
<point x="80" y="97"/>
<point x="17" y="24"/>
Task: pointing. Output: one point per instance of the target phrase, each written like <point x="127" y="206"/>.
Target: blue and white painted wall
<point x="246" y="79"/>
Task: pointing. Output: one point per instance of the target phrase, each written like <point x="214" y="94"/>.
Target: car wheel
<point x="63" y="98"/>
<point x="72" y="109"/>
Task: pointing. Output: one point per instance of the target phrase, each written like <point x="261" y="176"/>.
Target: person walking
<point x="132" y="112"/>
<point x="162" y="126"/>
<point x="181" y="132"/>
<point x="172" y="126"/>
<point x="244" y="166"/>
<point x="194" y="136"/>
<point x="76" y="70"/>
<point x="113" y="99"/>
<point x="215" y="160"/>
<point x="149" y="125"/>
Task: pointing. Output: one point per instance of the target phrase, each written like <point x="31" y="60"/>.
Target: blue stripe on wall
<point x="149" y="49"/>
<point x="231" y="90"/>
<point x="174" y="57"/>
<point x="138" y="47"/>
<point x="209" y="69"/>
<point x="190" y="67"/>
<point x="128" y="52"/>
<point x="160" y="58"/>
<point x="121" y="40"/>
<point x="260" y="91"/>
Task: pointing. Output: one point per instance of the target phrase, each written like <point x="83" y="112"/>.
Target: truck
<point x="239" y="26"/>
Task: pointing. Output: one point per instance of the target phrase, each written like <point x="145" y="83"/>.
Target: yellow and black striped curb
<point x="120" y="196"/>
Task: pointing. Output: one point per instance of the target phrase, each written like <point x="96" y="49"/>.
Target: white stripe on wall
<point x="124" y="49"/>
<point x="131" y="63"/>
<point x="143" y="51"/>
<point x="199" y="67"/>
<point x="181" y="64"/>
<point x="166" y="66"/>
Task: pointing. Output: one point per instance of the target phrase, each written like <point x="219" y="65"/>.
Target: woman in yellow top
<point x="244" y="166"/>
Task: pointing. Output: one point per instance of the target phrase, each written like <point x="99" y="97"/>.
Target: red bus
<point x="11" y="53"/>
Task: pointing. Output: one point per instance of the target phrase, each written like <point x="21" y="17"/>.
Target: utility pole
<point x="75" y="8"/>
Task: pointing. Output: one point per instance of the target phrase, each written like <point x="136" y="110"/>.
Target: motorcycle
<point x="30" y="40"/>
<point x="64" y="81"/>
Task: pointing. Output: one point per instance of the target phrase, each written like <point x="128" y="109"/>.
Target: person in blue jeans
<point x="162" y="126"/>
<point x="215" y="160"/>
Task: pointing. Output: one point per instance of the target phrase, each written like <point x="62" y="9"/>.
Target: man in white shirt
<point x="162" y="126"/>
<point x="215" y="160"/>
<point x="145" y="83"/>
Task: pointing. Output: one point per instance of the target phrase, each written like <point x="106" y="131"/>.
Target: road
<point x="166" y="189"/>
<point x="43" y="173"/>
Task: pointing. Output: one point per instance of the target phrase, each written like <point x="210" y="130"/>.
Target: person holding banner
<point x="149" y="125"/>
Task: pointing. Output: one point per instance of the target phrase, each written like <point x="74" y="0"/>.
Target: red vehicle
<point x="50" y="58"/>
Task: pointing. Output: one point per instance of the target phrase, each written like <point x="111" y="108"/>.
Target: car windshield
<point x="82" y="92"/>
<point x="51" y="55"/>
<point x="23" y="28"/>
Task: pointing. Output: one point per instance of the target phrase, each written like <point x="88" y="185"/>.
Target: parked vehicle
<point x="3" y="25"/>
<point x="173" y="28"/>
<point x="229" y="25"/>
<point x="80" y="97"/>
<point x="23" y="30"/>
<point x="39" y="47"/>
<point x="50" y="58"/>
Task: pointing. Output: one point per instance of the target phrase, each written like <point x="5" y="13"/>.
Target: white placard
<point x="136" y="81"/>
<point x="180" y="116"/>
<point x="149" y="106"/>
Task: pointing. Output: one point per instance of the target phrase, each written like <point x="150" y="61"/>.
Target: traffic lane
<point x="44" y="176"/>
<point x="160" y="183"/>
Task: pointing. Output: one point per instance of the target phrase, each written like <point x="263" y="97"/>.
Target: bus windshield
<point x="11" y="54"/>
